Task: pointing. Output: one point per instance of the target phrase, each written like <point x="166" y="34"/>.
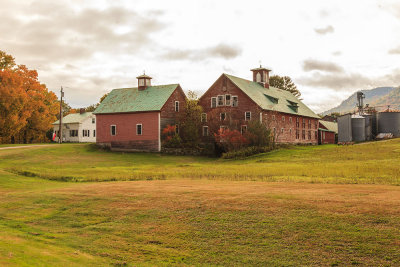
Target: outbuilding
<point x="132" y="119"/>
<point x="77" y="127"/>
<point x="327" y="132"/>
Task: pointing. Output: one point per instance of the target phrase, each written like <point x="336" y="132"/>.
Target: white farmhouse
<point x="77" y="127"/>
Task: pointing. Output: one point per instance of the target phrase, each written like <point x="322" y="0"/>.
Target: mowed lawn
<point x="326" y="205"/>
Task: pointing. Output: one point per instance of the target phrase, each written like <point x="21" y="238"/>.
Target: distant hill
<point x="379" y="97"/>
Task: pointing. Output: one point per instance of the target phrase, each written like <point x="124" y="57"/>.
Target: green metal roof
<point x="74" y="118"/>
<point x="331" y="126"/>
<point x="272" y="98"/>
<point x="123" y="100"/>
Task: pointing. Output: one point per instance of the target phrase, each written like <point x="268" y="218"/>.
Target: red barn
<point x="327" y="132"/>
<point x="131" y="119"/>
<point x="232" y="99"/>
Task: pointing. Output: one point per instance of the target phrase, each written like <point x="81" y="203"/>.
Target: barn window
<point x="247" y="115"/>
<point x="297" y="134"/>
<point x="94" y="133"/>
<point x="220" y="100"/>
<point x="309" y="124"/>
<point x="258" y="77"/>
<point x="177" y="106"/>
<point x="235" y="101"/>
<point x="304" y="123"/>
<point x="282" y="130"/>
<point x="139" y="129"/>
<point x="283" y="118"/>
<point x="222" y="116"/>
<point x="309" y="135"/>
<point x="290" y="132"/>
<point x="203" y="117"/>
<point x="290" y="119"/>
<point x="113" y="129"/>
<point x="93" y="120"/>
<point x="205" y="130"/>
<point x="303" y="134"/>
<point x="227" y="100"/>
<point x="243" y="129"/>
<point x="297" y="123"/>
<point x="213" y="102"/>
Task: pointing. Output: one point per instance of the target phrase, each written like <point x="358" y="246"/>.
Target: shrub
<point x="170" y="137"/>
<point x="230" y="140"/>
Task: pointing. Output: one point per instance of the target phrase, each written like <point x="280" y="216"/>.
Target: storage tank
<point x="389" y="122"/>
<point x="368" y="126"/>
<point x="344" y="129"/>
<point x="358" y="128"/>
<point x="374" y="125"/>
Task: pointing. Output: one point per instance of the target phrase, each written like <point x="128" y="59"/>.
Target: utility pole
<point x="61" y="115"/>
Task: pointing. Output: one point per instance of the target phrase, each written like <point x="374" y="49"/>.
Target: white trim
<point x="243" y="127"/>
<point x="223" y="100"/>
<point x="220" y="116"/>
<point x="115" y="129"/>
<point x="205" y="127"/>
<point x="141" y="128"/>
<point x="245" y="116"/>
<point x="159" y="131"/>
<point x="216" y="102"/>
<point x="230" y="100"/>
<point x="201" y="118"/>
<point x="237" y="100"/>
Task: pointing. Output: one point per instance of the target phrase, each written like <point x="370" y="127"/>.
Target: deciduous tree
<point x="284" y="83"/>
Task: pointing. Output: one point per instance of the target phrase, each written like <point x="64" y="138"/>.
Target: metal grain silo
<point x="374" y="125"/>
<point x="344" y="129"/>
<point x="389" y="122"/>
<point x="358" y="128"/>
<point x="368" y="126"/>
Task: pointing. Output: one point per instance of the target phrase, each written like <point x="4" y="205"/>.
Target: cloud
<point x="310" y="65"/>
<point x="337" y="53"/>
<point x="219" y="51"/>
<point x="349" y="81"/>
<point x="52" y="32"/>
<point x="326" y="30"/>
<point x="394" y="50"/>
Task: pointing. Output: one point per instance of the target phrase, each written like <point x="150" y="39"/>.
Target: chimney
<point x="144" y="81"/>
<point x="82" y="110"/>
<point x="261" y="76"/>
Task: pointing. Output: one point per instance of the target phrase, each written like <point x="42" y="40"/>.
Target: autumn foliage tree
<point x="27" y="107"/>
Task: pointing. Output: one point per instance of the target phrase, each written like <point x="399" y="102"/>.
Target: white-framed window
<point x="203" y="117"/>
<point x="176" y="106"/>
<point x="222" y="116"/>
<point x="213" y="102"/>
<point x="258" y="77"/>
<point x="72" y="133"/>
<point x="227" y="100"/>
<point x="94" y="133"/>
<point x="247" y="115"/>
<point x="176" y="128"/>
<point x="141" y="82"/>
<point x="139" y="129"/>
<point x="93" y="120"/>
<point x="243" y="129"/>
<point x="283" y="118"/>
<point x="235" y="101"/>
<point x="223" y="127"/>
<point x="220" y="101"/>
<point x="113" y="129"/>
<point x="85" y="133"/>
<point x="205" y="130"/>
<point x="290" y="131"/>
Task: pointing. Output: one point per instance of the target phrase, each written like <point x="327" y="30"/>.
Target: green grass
<point x="196" y="211"/>
<point x="369" y="163"/>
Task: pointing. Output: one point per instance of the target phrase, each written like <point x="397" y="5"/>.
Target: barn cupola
<point x="261" y="76"/>
<point x="144" y="81"/>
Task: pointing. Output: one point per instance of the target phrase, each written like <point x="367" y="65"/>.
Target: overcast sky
<point x="329" y="48"/>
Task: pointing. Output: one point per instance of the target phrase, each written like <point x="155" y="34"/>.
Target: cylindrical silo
<point x="358" y="128"/>
<point x="389" y="122"/>
<point x="374" y="125"/>
<point x="368" y="126"/>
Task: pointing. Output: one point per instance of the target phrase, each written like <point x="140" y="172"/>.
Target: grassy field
<point x="370" y="163"/>
<point x="326" y="205"/>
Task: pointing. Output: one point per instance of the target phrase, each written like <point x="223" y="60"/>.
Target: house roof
<point x="272" y="98"/>
<point x="74" y="118"/>
<point x="123" y="100"/>
<point x="330" y="126"/>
